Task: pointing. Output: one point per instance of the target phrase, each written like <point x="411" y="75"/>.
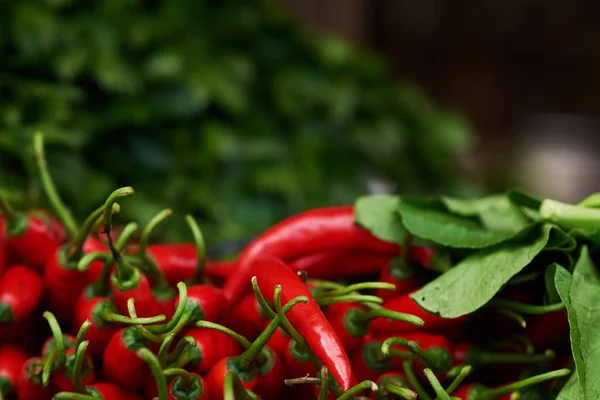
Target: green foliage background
<point x="227" y="110"/>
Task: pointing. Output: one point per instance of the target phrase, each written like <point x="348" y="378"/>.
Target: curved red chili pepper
<point x="63" y="378"/>
<point x="12" y="359"/>
<point x="177" y="261"/>
<point x="336" y="264"/>
<point x="100" y="331"/>
<point x="110" y="391"/>
<point x="406" y="304"/>
<point x="121" y="365"/>
<point x="211" y="346"/>
<point x="29" y="384"/>
<point x="306" y="233"/>
<point x="21" y="290"/>
<point x="247" y="318"/>
<point x="55" y="225"/>
<point x="307" y="318"/>
<point x="196" y="389"/>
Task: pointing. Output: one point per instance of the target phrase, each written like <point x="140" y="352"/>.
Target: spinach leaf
<point x="378" y="214"/>
<point x="580" y="293"/>
<point x="477" y="278"/>
<point x="571" y="390"/>
<point x="592" y="201"/>
<point x="522" y="199"/>
<point x="551" y="293"/>
<point x="432" y="219"/>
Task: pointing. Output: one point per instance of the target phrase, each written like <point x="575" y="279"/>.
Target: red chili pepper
<point x="221" y="269"/>
<point x="29" y="236"/>
<point x="29" y="384"/>
<point x="50" y="343"/>
<point x="387" y="384"/>
<point x="336" y="264"/>
<point x="351" y="322"/>
<point x="407" y="305"/>
<point x="476" y="391"/>
<point x="310" y="232"/>
<point x="177" y="261"/>
<point x="298" y="360"/>
<point x="21" y="290"/>
<point x="549" y="329"/>
<point x="63" y="378"/>
<point x="211" y="346"/>
<point x="110" y="391"/>
<point x="12" y="359"/>
<point x="91" y="245"/>
<point x="55" y="225"/>
<point x="23" y="333"/>
<point x="3" y="253"/>
<point x="247" y="317"/>
<point x="121" y="365"/>
<point x="278" y="342"/>
<point x="100" y="331"/>
<point x="398" y="274"/>
<point x="271" y="374"/>
<point x="208" y="302"/>
<point x="307" y="318"/>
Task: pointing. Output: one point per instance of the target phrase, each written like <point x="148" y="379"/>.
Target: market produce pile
<point x="393" y="297"/>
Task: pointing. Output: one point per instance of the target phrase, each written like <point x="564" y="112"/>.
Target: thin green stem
<point x="262" y="302"/>
<point x="462" y="375"/>
<point x="147" y="231"/>
<point x="236" y="336"/>
<point x="61" y="355"/>
<point x="47" y="368"/>
<point x="164" y="350"/>
<point x="75" y="251"/>
<point x="400" y="391"/>
<point x="81" y="332"/>
<point x="59" y="207"/>
<point x="324" y="391"/>
<point x="568" y="215"/>
<point x="180" y="347"/>
<point x="156" y="338"/>
<point x="122" y="319"/>
<point x="73" y="396"/>
<point x="302" y="381"/>
<point x="200" y="247"/>
<point x="7" y="210"/>
<point x="361" y="286"/>
<point x="184" y="375"/>
<point x="323" y="284"/>
<point x="284" y="321"/>
<point x="518" y="318"/>
<point x="534" y="380"/>
<point x="122" y="268"/>
<point x="353" y="392"/>
<point x="233" y="388"/>
<point x="413" y="381"/>
<point x="436" y="385"/>
<point x="159" y="377"/>
<point x="528" y="309"/>
<point x="350" y="298"/>
<point x="179" y="311"/>
<point x="78" y="366"/>
<point x="398" y="316"/>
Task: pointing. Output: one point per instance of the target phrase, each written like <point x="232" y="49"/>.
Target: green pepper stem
<point x="179" y="311"/>
<point x="55" y="201"/>
<point x="73" y="396"/>
<point x="81" y="332"/>
<point x="534" y="380"/>
<point x="84" y="262"/>
<point x="518" y="318"/>
<point x="401" y="354"/>
<point x="153" y="269"/>
<point x="350" y="298"/>
<point x="302" y="381"/>
<point x="460" y="377"/>
<point x="258" y="345"/>
<point x="122" y="319"/>
<point x="436" y="385"/>
<point x="385" y="346"/>
<point x="122" y="268"/>
<point x="185" y="376"/>
<point x="159" y="377"/>
<point x="284" y="321"/>
<point x="262" y="302"/>
<point x="223" y="329"/>
<point x="164" y="349"/>
<point x="400" y="391"/>
<point x="75" y="250"/>
<point x="529" y="348"/>
<point x="61" y="355"/>
<point x="200" y="247"/>
<point x="413" y="381"/>
<point x="324" y="391"/>
<point x="361" y="286"/>
<point x="323" y="284"/>
<point x="367" y="316"/>
<point x="364" y="385"/>
<point x="569" y="215"/>
<point x="78" y="366"/>
<point x="233" y="388"/>
<point x="528" y="309"/>
<point x="180" y="347"/>
<point x="47" y="367"/>
<point x="476" y="357"/>
<point x="149" y="335"/>
<point x="6" y="209"/>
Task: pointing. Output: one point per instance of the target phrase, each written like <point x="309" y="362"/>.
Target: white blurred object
<point x="557" y="155"/>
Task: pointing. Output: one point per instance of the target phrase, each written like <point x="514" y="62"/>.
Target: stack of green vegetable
<point x="229" y="111"/>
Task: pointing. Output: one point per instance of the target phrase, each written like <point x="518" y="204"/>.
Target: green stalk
<point x="324" y="391"/>
<point x="159" y="377"/>
<point x="77" y="367"/>
<point x="364" y="385"/>
<point x="568" y="215"/>
<point x="436" y="385"/>
<point x="262" y="302"/>
<point x="464" y="372"/>
<point x="413" y="381"/>
<point x="528" y="309"/>
<point x="200" y="247"/>
<point x="361" y="286"/>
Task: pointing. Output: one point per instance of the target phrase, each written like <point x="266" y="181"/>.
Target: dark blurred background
<point x="246" y="112"/>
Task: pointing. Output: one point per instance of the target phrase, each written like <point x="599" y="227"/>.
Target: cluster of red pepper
<point x="88" y="311"/>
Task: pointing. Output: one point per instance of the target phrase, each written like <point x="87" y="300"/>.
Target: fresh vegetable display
<point x="394" y="297"/>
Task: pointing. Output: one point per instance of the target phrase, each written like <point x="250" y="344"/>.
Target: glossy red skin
<point x="278" y="342"/>
<point x="246" y="318"/>
<point x="221" y="269"/>
<point x="309" y="232"/>
<point x="92" y="245"/>
<point x="406" y="304"/>
<point x="216" y="379"/>
<point x="27" y="389"/>
<point x="36" y="245"/>
<point x="177" y="261"/>
<point x="68" y="341"/>
<point x="203" y="396"/>
<point x="337" y="318"/>
<point x="307" y="318"/>
<point x="213" y="346"/>
<point x="12" y="359"/>
<point x="63" y="286"/>
<point x="547" y="330"/>
<point x="270" y="383"/>
<point x="209" y="298"/>
<point x="121" y="365"/>
<point x="98" y="336"/>
<point x="64" y="384"/>
<point x="21" y="288"/>
<point x="336" y="264"/>
<point x="110" y="391"/>
<point x="55" y="225"/>
<point x="146" y="304"/>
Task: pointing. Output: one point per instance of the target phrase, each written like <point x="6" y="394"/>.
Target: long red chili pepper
<point x="121" y="365"/>
<point x="307" y="318"/>
<point x="21" y="290"/>
<point x="177" y="261"/>
<point x="306" y="233"/>
<point x="475" y="391"/>
<point x="407" y="305"/>
<point x="337" y="264"/>
<point x="12" y="359"/>
<point x="29" y="384"/>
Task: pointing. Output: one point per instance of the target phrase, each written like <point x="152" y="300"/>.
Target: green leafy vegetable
<point x="379" y="215"/>
<point x="475" y="280"/>
<point x="572" y="389"/>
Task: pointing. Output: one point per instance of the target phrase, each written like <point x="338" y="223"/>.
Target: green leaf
<point x="571" y="390"/>
<point x="552" y="294"/>
<point x="522" y="199"/>
<point x="432" y="219"/>
<point x="378" y="214"/>
<point x="592" y="201"/>
<point x="477" y="278"/>
<point x="581" y="295"/>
